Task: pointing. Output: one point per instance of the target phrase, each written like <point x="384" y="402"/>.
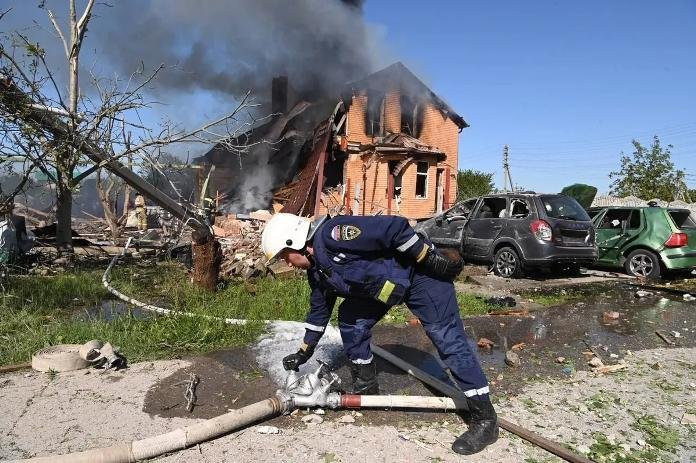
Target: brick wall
<point x="392" y="112"/>
<point x="441" y="132"/>
<point x="437" y="131"/>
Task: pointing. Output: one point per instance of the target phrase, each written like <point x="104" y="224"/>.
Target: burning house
<point x="387" y="145"/>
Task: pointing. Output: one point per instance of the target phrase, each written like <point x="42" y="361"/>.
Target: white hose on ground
<point x="106" y="281"/>
<point x="403" y="401"/>
<point x="178" y="439"/>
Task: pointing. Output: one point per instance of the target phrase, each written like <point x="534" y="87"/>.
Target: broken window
<point x="374" y="113"/>
<point x="519" y="208"/>
<point x="682" y="219"/>
<point x="613" y="219"/>
<point x="422" y="180"/>
<point x="396" y="186"/>
<point x="411" y="116"/>
<point x="491" y="208"/>
<point x="463" y="208"/>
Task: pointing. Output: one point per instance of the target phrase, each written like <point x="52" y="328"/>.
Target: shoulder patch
<point x="345" y="232"/>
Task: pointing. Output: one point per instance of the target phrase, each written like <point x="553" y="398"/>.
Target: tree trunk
<point x="64" y="218"/>
<point x="207" y="257"/>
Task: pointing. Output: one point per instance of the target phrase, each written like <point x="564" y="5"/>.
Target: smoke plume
<point x="235" y="46"/>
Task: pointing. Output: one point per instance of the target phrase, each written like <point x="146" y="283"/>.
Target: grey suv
<point x="516" y="231"/>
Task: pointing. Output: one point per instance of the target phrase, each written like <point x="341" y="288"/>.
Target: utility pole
<point x="507" y="178"/>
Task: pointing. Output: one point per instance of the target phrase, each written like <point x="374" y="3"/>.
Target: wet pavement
<point x="231" y="379"/>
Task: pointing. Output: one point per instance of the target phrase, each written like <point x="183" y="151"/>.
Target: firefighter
<point x="141" y="212"/>
<point x="375" y="263"/>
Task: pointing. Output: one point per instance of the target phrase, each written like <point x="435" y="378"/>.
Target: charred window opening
<point x="422" y="180"/>
<point x="374" y="113"/>
<point x="411" y="116"/>
<point x="333" y="171"/>
<point x="396" y="185"/>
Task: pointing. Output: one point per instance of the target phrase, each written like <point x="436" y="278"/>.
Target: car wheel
<point x="643" y="263"/>
<point x="507" y="263"/>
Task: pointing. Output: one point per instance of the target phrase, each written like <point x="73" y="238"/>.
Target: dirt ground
<point x="75" y="411"/>
<point x="639" y="414"/>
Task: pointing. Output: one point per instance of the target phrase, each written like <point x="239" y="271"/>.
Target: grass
<point x="40" y="311"/>
<point x="552" y="298"/>
<point x="471" y="304"/>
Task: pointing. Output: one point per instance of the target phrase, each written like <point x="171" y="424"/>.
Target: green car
<point x="645" y="241"/>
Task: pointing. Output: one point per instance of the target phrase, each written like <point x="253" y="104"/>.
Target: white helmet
<point x="284" y="231"/>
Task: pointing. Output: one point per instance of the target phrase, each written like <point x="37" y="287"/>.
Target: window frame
<point x="427" y="180"/>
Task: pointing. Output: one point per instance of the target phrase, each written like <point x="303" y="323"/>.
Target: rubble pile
<point x="240" y="241"/>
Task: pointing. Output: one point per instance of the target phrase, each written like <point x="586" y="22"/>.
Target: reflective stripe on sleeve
<point x="386" y="291"/>
<point x="309" y="326"/>
<point x="404" y="247"/>
<point x="473" y="392"/>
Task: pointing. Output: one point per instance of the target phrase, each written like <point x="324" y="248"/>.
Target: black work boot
<point x="364" y="378"/>
<point x="483" y="428"/>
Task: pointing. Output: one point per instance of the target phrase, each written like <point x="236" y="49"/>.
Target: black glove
<point x="439" y="266"/>
<point x="293" y="361"/>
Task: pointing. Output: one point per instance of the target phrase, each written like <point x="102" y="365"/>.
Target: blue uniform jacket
<point x="360" y="257"/>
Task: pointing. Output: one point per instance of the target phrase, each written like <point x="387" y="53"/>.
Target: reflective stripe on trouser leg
<point x="356" y="317"/>
<point x="434" y="302"/>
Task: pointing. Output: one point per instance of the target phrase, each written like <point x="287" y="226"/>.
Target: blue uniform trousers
<point x="434" y="302"/>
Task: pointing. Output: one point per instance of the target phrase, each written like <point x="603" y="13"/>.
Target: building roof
<point x="400" y="76"/>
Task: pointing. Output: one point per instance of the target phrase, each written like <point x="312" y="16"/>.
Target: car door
<point x="447" y="228"/>
<point x="615" y="229"/>
<point x="485" y="225"/>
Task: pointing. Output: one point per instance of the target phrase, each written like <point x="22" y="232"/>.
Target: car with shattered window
<point x="517" y="232"/>
<point x="646" y="241"/>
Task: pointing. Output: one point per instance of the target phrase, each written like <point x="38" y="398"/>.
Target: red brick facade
<point x="367" y="184"/>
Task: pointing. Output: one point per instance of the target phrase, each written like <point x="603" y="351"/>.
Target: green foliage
<point x="42" y="311"/>
<point x="472" y="183"/>
<point x="648" y="173"/>
<point x="658" y="435"/>
<point x="471" y="304"/>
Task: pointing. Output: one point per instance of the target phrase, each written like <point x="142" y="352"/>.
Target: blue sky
<point x="566" y="85"/>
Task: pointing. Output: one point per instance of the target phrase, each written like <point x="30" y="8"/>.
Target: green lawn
<point x="38" y="311"/>
<point x="41" y="311"/>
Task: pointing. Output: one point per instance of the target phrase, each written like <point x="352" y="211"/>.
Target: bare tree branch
<point x="60" y="33"/>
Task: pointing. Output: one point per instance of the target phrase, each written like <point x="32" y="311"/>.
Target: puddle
<point x="563" y="331"/>
<point x="111" y="309"/>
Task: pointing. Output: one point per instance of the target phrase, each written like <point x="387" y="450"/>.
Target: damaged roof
<point x="400" y="76"/>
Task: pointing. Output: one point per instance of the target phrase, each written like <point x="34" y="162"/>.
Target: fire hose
<point x="455" y="400"/>
<point x="315" y="389"/>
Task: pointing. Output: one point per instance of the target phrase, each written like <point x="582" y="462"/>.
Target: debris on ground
<point x="518" y="346"/>
<point x="190" y="393"/>
<point x="689" y="297"/>
<point x="485" y="343"/>
<point x="665" y="338"/>
<point x="560" y="359"/>
<point x="595" y="362"/>
<point x="312" y="419"/>
<point x="267" y="430"/>
<point x="643" y="293"/>
<point x="512" y="359"/>
<point x="611" y="315"/>
<point x="346" y="419"/>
